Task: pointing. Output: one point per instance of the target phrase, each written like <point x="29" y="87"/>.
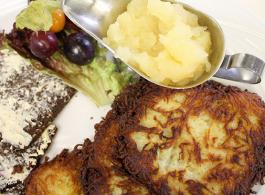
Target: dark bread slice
<point x="29" y="102"/>
<point x="16" y="166"/>
<point x="31" y="98"/>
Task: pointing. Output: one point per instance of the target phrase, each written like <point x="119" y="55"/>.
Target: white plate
<point x="244" y="30"/>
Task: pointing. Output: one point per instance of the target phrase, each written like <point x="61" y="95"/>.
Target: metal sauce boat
<point x="95" y="16"/>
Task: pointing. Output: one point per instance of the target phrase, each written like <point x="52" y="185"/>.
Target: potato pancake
<point x="205" y="140"/>
<point x="60" y="176"/>
<point x="88" y="169"/>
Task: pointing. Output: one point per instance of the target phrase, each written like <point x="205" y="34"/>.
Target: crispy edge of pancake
<point x="100" y="173"/>
<point x="65" y="164"/>
<point x="128" y="109"/>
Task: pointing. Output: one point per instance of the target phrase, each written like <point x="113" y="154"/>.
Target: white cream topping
<point x="12" y="65"/>
<point x="26" y="96"/>
<point x="27" y="159"/>
<point x="11" y="124"/>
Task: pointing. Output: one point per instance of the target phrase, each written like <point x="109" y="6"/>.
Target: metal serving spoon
<point x="95" y="17"/>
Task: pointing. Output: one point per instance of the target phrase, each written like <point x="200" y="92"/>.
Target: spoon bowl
<point x="95" y="17"/>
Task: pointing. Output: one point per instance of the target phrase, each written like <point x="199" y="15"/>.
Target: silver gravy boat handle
<point x="244" y="68"/>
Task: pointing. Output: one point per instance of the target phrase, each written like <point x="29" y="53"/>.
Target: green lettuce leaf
<point x="37" y="16"/>
<point x="101" y="80"/>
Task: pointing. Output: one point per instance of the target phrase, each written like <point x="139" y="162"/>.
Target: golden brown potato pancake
<point x="88" y="169"/>
<point x="60" y="176"/>
<point x="205" y="140"/>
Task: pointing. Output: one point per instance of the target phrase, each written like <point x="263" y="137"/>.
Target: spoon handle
<point x="244" y="68"/>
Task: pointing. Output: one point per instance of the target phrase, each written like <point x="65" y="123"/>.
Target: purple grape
<point x="43" y="44"/>
<point x="79" y="49"/>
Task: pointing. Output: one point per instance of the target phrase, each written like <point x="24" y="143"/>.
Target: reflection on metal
<point x="242" y="67"/>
